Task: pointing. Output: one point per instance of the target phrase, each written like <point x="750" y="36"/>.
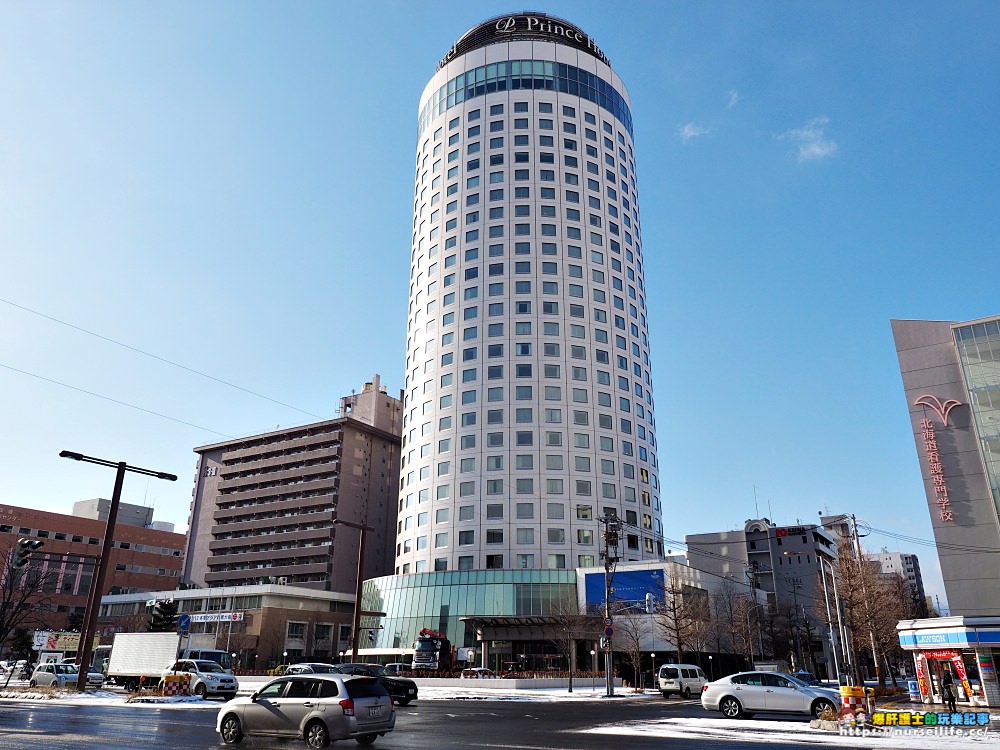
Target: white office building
<point x="528" y="395"/>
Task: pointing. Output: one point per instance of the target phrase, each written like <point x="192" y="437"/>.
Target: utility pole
<point x="612" y="529"/>
<point x="829" y="619"/>
<point x="796" y="585"/>
<point x="356" y="626"/>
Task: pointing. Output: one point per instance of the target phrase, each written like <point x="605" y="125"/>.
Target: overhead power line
<point x="158" y="358"/>
<point x="116" y="401"/>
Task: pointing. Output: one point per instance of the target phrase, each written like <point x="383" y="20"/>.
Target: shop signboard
<point x="960" y="673"/>
<point x="921" y="664"/>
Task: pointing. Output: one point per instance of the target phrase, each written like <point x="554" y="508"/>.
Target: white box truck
<point x="138" y="659"/>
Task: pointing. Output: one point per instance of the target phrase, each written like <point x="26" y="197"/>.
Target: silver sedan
<point x="747" y="693"/>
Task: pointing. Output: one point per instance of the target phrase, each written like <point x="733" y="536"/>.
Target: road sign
<point x="184" y="622"/>
<point x="607" y="622"/>
<point x="609" y="631"/>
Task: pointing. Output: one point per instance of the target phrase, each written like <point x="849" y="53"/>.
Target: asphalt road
<point x="424" y="725"/>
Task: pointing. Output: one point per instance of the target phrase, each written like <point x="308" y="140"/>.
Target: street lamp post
<point x="652" y="658"/>
<point x="593" y="670"/>
<point x="711" y="672"/>
<point x="97" y="584"/>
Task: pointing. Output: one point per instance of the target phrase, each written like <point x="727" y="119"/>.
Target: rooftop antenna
<point x="756" y="510"/>
<point x="770" y="513"/>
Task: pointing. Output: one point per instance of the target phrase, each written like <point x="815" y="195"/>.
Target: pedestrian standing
<point x="949" y="689"/>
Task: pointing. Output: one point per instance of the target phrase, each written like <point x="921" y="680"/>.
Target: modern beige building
<point x="260" y="625"/>
<point x="264" y="507"/>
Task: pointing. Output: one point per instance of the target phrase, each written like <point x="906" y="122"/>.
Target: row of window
<point x="553" y="561"/>
<point x="523" y="512"/>
<point x="517" y="75"/>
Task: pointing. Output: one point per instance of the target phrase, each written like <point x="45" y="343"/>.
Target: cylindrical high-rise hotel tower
<point x="528" y="393"/>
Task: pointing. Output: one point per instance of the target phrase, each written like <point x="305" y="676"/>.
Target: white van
<point x="682" y="679"/>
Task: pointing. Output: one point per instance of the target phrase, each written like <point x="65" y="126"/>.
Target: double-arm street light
<point x="97" y="585"/>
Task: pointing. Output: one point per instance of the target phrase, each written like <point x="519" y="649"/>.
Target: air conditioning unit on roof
<point x="281" y="580"/>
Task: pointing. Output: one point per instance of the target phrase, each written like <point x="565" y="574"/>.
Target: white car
<point x="747" y="693"/>
<point x="317" y="708"/>
<point x="62" y="675"/>
<point x="680" y="679"/>
<point x="206" y="678"/>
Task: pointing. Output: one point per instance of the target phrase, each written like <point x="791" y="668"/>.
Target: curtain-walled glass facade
<point x="438" y="600"/>
<point x="979" y="353"/>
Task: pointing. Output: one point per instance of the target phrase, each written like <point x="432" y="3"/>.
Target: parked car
<point x="402" y="689"/>
<point x="207" y="678"/>
<point x="399" y="667"/>
<point x="680" y="679"/>
<point x="747" y="693"/>
<point x="311" y="668"/>
<point x="475" y="673"/>
<point x="278" y="670"/>
<point x="318" y="708"/>
<point x="62" y="675"/>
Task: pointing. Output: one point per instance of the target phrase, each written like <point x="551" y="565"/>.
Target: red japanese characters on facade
<point x="929" y="433"/>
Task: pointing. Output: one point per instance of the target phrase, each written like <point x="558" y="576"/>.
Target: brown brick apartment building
<point x="264" y="506"/>
<point x="142" y="559"/>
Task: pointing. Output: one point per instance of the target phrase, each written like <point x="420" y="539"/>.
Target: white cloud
<point x="733" y="98"/>
<point x="692" y="130"/>
<point x="811" y="140"/>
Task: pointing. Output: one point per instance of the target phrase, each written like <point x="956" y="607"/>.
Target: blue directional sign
<point x="184" y="622"/>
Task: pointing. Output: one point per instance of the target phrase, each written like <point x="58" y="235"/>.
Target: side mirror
<point x="253" y="698"/>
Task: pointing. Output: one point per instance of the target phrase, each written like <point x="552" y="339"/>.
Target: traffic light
<point x="371" y="636"/>
<point x="24" y="549"/>
<point x="605" y="643"/>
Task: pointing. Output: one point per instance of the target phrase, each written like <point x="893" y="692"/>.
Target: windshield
<point x="208" y="666"/>
<point x="426" y="646"/>
<point x="65" y="669"/>
<point x="796" y="680"/>
<point x="379" y="670"/>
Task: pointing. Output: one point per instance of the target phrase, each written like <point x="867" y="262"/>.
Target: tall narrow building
<point x="528" y="399"/>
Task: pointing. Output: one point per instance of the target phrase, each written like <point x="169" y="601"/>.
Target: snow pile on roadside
<point x="28" y="695"/>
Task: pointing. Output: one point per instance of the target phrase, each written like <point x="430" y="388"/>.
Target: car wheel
<point x="228" y="696"/>
<point x="32" y="684"/>
<point x="687" y="693"/>
<point x="200" y="690"/>
<point x="317" y="735"/>
<point x="730" y="708"/>
<point x="366" y="739"/>
<point x="822" y="705"/>
<point x="232" y="732"/>
<point x="404" y="701"/>
<point x="665" y="694"/>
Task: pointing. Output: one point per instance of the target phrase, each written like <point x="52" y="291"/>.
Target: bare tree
<point x="571" y="624"/>
<point x="629" y="629"/>
<point x="25" y="592"/>
<point x="678" y="617"/>
<point x="872" y="605"/>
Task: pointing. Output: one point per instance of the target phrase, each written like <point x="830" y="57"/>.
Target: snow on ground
<point x="795" y="731"/>
<point x="710" y="727"/>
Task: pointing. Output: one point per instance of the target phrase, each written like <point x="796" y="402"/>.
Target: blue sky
<point x="228" y="186"/>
